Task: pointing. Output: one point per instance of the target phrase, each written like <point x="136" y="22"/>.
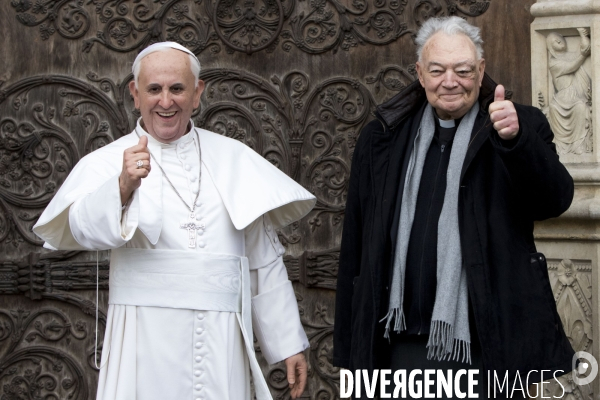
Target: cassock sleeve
<point x="275" y="316"/>
<point x="99" y="222"/>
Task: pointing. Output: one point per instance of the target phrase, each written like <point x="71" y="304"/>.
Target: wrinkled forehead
<point x="456" y="46"/>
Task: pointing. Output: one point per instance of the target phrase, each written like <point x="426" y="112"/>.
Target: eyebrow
<point x="155" y="84"/>
<point x="469" y="63"/>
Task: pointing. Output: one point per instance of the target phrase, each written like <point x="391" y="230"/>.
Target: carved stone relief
<point x="569" y="108"/>
<point x="48" y="351"/>
<point x="571" y="282"/>
<point x="246" y="26"/>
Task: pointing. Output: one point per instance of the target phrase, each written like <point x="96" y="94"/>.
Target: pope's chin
<point x="166" y="134"/>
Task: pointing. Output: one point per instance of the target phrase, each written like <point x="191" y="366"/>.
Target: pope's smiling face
<point x="451" y="74"/>
<point x="166" y="94"/>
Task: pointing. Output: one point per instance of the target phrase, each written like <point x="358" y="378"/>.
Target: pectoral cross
<point x="192" y="226"/>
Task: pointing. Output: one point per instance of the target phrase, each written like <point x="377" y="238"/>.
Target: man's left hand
<point x="503" y="115"/>
<point x="297" y="370"/>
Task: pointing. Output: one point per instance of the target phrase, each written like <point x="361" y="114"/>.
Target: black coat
<point x="503" y="191"/>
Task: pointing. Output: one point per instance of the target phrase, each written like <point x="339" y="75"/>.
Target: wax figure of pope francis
<point x="196" y="264"/>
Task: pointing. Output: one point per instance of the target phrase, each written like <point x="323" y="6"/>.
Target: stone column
<point x="565" y="36"/>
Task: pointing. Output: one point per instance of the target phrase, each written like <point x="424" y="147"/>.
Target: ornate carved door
<point x="294" y="79"/>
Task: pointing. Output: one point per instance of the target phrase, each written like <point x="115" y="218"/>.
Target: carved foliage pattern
<point x="33" y="365"/>
<point x="47" y="352"/>
<point x="313" y="26"/>
<point x="37" y="152"/>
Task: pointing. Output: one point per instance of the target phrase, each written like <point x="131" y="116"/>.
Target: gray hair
<point x="450" y="26"/>
<point x="163" y="46"/>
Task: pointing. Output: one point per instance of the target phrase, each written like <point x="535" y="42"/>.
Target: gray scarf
<point x="449" y="336"/>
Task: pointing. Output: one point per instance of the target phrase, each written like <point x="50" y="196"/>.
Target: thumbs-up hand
<point x="136" y="166"/>
<point x="503" y="115"/>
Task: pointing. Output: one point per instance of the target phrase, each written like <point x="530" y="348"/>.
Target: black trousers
<point x="409" y="353"/>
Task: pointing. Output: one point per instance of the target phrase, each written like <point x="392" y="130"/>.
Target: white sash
<point x="188" y="280"/>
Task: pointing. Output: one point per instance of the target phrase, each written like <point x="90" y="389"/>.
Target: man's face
<point x="451" y="74"/>
<point x="166" y="94"/>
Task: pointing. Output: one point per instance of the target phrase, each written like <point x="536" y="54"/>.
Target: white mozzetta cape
<point x="249" y="186"/>
<point x="161" y="353"/>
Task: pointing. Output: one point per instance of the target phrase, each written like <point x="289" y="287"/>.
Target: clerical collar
<point x="447" y="123"/>
<point x="185" y="139"/>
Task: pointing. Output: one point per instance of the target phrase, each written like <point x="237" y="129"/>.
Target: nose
<point x="450" y="79"/>
<point x="165" y="99"/>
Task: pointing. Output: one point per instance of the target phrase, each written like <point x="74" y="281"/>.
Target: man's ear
<point x="198" y="92"/>
<point x="481" y="70"/>
<point x="420" y="73"/>
<point x="134" y="92"/>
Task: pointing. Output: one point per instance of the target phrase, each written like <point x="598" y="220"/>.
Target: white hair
<point x="163" y="46"/>
<point x="450" y="26"/>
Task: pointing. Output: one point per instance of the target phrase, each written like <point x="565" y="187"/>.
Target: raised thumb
<point x="143" y="141"/>
<point x="499" y="93"/>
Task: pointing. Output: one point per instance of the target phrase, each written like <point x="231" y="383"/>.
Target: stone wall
<point x="565" y="64"/>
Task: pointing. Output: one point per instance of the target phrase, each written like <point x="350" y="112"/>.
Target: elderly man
<point x="438" y="267"/>
<point x="190" y="217"/>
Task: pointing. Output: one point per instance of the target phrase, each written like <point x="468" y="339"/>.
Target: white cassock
<point x="164" y="348"/>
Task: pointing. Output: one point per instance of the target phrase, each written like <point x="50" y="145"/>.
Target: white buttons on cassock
<point x="199" y="351"/>
<point x="195" y="189"/>
<point x="269" y="227"/>
<point x="200" y="232"/>
<point x="187" y="167"/>
<point x="182" y="156"/>
<point x="201" y="244"/>
<point x="181" y="145"/>
<point x="198" y="217"/>
<point x="193" y="178"/>
<point x="281" y="251"/>
<point x="198" y="203"/>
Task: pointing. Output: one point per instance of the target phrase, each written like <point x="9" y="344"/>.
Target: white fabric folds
<point x="186" y="280"/>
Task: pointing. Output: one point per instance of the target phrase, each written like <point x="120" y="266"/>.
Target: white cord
<point x="96" y="341"/>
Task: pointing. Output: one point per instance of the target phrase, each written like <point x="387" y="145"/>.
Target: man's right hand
<point x="132" y="175"/>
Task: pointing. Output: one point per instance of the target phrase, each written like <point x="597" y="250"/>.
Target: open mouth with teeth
<point x="167" y="114"/>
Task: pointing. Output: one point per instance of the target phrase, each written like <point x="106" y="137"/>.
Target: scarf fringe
<point x="443" y="347"/>
<point x="399" y="325"/>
